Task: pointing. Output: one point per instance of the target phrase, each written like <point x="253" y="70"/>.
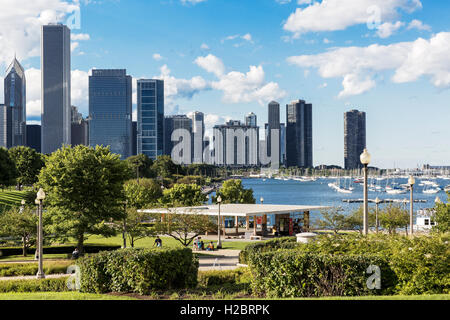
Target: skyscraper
<point x="150" y="114"/>
<point x="273" y="124"/>
<point x="55" y="67"/>
<point x="5" y="126"/>
<point x="198" y="136"/>
<point x="236" y="145"/>
<point x="299" y="143"/>
<point x="80" y="129"/>
<point x="171" y="124"/>
<point x="34" y="137"/>
<point x="15" y="101"/>
<point x="134" y="139"/>
<point x="354" y="138"/>
<point x="110" y="108"/>
<point x="251" y="120"/>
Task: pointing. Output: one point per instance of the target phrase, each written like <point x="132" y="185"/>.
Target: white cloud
<point x="212" y="120"/>
<point x="386" y="29"/>
<point x="419" y="25"/>
<point x="192" y="1"/>
<point x="20" y="25"/>
<point x="241" y="87"/>
<point x="73" y="46"/>
<point x="204" y="46"/>
<point x="409" y="61"/>
<point x="211" y="64"/>
<point x="79" y="37"/>
<point x="333" y="15"/>
<point x="157" y="57"/>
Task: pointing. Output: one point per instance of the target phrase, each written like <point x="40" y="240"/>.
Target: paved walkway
<point x="218" y="260"/>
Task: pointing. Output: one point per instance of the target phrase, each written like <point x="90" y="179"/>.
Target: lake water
<point x="320" y="194"/>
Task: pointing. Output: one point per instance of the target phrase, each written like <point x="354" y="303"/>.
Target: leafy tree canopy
<point x="28" y="164"/>
<point x="442" y="216"/>
<point x="8" y="170"/>
<point x="142" y="166"/>
<point x="19" y="223"/>
<point x="232" y="191"/>
<point x="185" y="195"/>
<point x="84" y="188"/>
<point x="144" y="193"/>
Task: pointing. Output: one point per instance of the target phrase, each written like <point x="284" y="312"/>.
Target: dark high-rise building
<point x="55" y="67"/>
<point x="273" y="124"/>
<point x="34" y="137"/>
<point x="134" y="139"/>
<point x="80" y="129"/>
<point x="110" y="109"/>
<point x="172" y="123"/>
<point x="5" y="126"/>
<point x="150" y="115"/>
<point x="354" y="138"/>
<point x="14" y="121"/>
<point x="299" y="142"/>
<point x="198" y="136"/>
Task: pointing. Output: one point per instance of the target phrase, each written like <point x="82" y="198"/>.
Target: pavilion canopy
<point x="237" y="210"/>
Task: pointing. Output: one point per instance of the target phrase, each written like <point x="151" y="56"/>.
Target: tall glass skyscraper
<point x="198" y="136"/>
<point x="354" y="138"/>
<point x="299" y="141"/>
<point x="150" y="114"/>
<point x="14" y="122"/>
<point x="110" y="110"/>
<point x="56" y="107"/>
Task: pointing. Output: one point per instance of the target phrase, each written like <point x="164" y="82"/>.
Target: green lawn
<point x="30" y="257"/>
<point x="399" y="297"/>
<point x="60" y="296"/>
<point x="167" y="242"/>
<point x="11" y="198"/>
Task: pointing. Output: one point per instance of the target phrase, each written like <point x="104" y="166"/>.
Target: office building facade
<point x="80" y="129"/>
<point x="171" y="124"/>
<point x="14" y="118"/>
<point x="354" y="138"/>
<point x="236" y="145"/>
<point x="110" y="110"/>
<point x="198" y="136"/>
<point x="150" y="114"/>
<point x="251" y="120"/>
<point x="55" y="68"/>
<point x="299" y="139"/>
<point x="34" y="137"/>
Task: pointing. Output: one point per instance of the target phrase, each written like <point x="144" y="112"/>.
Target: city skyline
<point x="284" y="57"/>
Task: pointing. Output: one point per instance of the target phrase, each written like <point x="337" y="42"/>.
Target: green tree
<point x="165" y="168"/>
<point x="183" y="195"/>
<point x="145" y="193"/>
<point x="135" y="229"/>
<point x="393" y="217"/>
<point x="142" y="166"/>
<point x="84" y="189"/>
<point x="442" y="216"/>
<point x="8" y="170"/>
<point x="332" y="220"/>
<point x="355" y="220"/>
<point x="28" y="164"/>
<point x="232" y="191"/>
<point x="20" y="223"/>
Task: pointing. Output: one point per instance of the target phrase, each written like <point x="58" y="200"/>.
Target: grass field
<point x="167" y="242"/>
<point x="60" y="296"/>
<point x="11" y="198"/>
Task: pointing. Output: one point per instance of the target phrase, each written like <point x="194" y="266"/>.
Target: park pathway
<point x="219" y="260"/>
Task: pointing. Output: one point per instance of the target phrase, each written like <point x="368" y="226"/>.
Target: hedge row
<point x="28" y="269"/>
<point x="290" y="273"/>
<point x="266" y="246"/>
<point x="421" y="264"/>
<point x="46" y="285"/>
<point x="224" y="277"/>
<point x="139" y="271"/>
<point x="16" y="251"/>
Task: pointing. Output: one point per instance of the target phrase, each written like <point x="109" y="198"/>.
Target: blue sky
<point x="226" y="58"/>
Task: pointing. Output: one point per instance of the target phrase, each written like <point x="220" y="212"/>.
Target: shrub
<point x="28" y="269"/>
<point x="291" y="273"/>
<point x="46" y="285"/>
<point x="271" y="245"/>
<point x="218" y="278"/>
<point x="6" y="252"/>
<point x="138" y="271"/>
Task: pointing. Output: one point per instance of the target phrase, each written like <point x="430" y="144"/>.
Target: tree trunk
<point x="80" y="244"/>
<point x="24" y="249"/>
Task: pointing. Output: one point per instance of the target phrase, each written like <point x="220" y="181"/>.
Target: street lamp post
<point x="36" y="253"/>
<point x="40" y="197"/>
<point x="22" y="207"/>
<point x="365" y="160"/>
<point x="411" y="182"/>
<point x="377" y="223"/>
<point x="219" y="240"/>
